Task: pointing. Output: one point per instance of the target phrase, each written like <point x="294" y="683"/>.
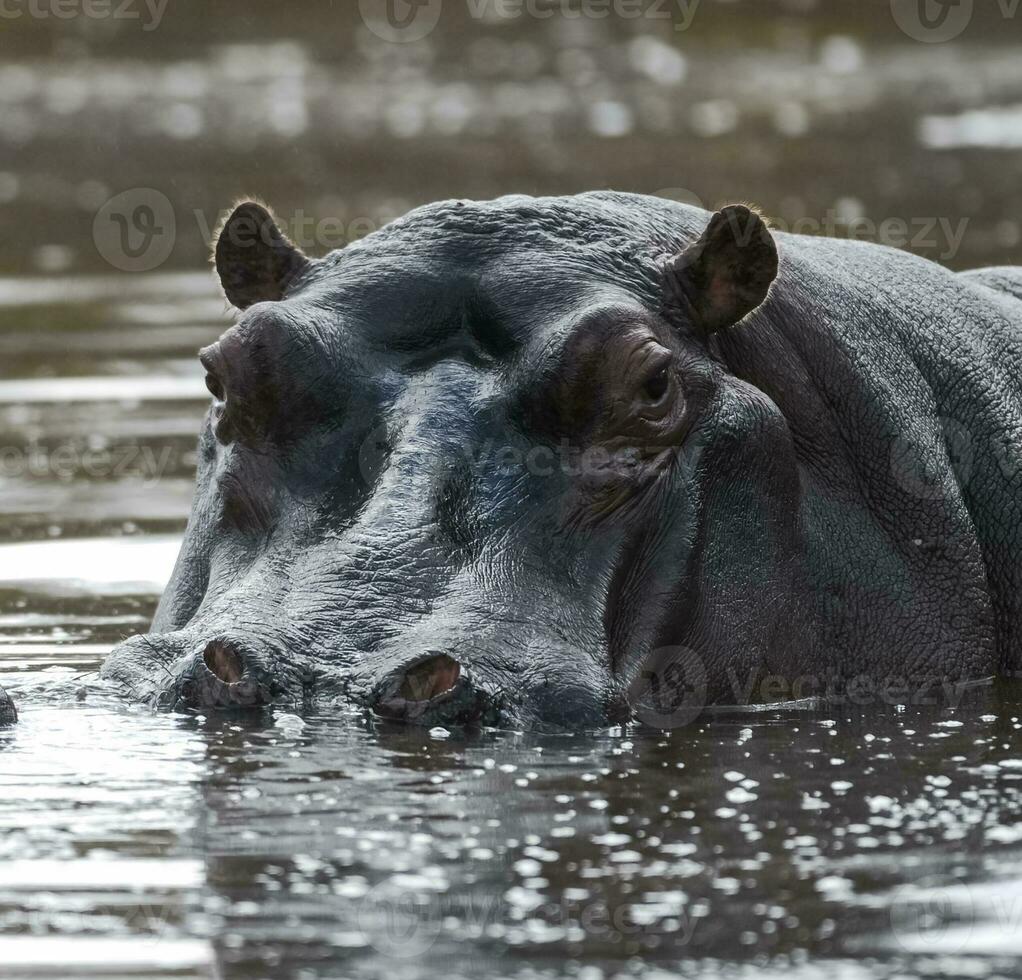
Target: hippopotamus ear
<point x="254" y="258"/>
<point x="727" y="273"/>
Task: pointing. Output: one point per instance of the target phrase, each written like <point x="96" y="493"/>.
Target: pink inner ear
<point x="719" y="294"/>
<point x="430" y="679"/>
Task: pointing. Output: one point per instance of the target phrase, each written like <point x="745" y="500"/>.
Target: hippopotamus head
<point x="474" y="468"/>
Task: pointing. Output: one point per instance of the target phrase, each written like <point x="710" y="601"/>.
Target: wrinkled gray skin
<point x="555" y="462"/>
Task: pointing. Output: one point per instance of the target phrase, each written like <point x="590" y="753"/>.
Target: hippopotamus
<point x="566" y="462"/>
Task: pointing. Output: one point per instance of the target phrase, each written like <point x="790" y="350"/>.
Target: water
<point x="876" y="844"/>
<point x="861" y="841"/>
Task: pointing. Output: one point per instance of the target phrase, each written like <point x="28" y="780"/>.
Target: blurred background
<point x="828" y="113"/>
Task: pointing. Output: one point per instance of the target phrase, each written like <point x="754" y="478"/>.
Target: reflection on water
<point x="859" y="841"/>
<point x="319" y="847"/>
<point x="102" y="567"/>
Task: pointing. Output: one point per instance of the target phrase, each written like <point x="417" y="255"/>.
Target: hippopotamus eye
<point x="215" y="386"/>
<point x="655" y="380"/>
<point x="212" y="360"/>
<point x="657" y="386"/>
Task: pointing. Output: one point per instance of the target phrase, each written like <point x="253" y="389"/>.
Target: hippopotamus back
<point x="901" y="385"/>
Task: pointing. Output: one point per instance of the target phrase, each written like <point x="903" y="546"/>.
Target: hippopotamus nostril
<point x="430" y="679"/>
<point x="221" y="676"/>
<point x="432" y="691"/>
<point x="224" y="662"/>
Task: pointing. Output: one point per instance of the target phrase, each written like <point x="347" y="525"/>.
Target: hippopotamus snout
<point x="181" y="671"/>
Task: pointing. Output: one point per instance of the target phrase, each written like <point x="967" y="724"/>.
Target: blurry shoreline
<point x="807" y="109"/>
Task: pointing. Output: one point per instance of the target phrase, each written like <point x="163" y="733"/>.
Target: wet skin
<point x="564" y="462"/>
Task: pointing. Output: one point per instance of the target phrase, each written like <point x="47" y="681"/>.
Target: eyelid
<point x="215" y="386"/>
<point x="211" y="359"/>
<point x="663" y="359"/>
<point x="655" y="358"/>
